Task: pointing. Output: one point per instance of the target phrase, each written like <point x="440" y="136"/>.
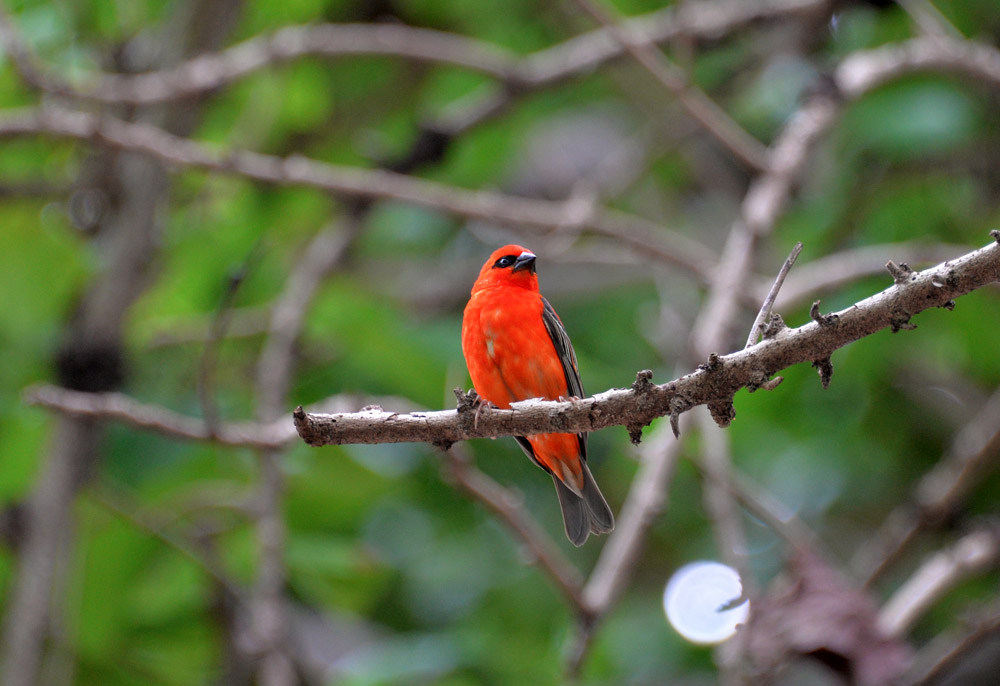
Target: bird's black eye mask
<point x="525" y="260"/>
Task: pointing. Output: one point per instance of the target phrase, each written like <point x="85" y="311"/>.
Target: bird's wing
<point x="567" y="357"/>
<point x="560" y="339"/>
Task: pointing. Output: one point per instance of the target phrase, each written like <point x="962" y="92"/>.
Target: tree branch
<point x="713" y="384"/>
<point x="643" y="236"/>
<point x="574" y="57"/>
<point x="158" y="419"/>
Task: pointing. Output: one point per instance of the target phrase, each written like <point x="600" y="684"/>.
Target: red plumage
<point x="516" y="348"/>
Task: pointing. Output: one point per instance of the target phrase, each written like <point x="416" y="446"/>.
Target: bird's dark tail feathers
<point x="586" y="513"/>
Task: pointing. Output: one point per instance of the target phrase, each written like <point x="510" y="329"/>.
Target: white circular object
<point x="695" y="598"/>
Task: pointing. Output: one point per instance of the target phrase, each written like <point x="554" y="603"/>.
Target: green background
<point x="389" y="566"/>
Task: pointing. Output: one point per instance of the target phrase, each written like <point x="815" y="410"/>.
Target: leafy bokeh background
<point x="394" y="577"/>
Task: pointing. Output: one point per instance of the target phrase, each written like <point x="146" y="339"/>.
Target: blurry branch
<point x="929" y="19"/>
<point x="506" y="506"/>
<point x="782" y="521"/>
<point x="972" y="554"/>
<point x="715" y="463"/>
<point x="644" y="237"/>
<point x="714" y="383"/>
<point x="275" y="366"/>
<point x="120" y="407"/>
<point x="864" y="70"/>
<point x="953" y="646"/>
<point x="325" y="252"/>
<point x="695" y="102"/>
<point x="216" y="333"/>
<point x="765" y="200"/>
<point x="244" y="322"/>
<point x="575" y="57"/>
<point x="91" y="357"/>
<point x="117" y="502"/>
<point x="771" y="191"/>
<point x="812" y="279"/>
<point x="939" y="494"/>
<point x="646" y="498"/>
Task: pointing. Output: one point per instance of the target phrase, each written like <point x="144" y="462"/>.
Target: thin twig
<point x="782" y="521"/>
<point x="765" y="308"/>
<point x="216" y="333"/>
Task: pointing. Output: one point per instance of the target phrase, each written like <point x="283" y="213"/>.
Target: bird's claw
<point x="480" y="404"/>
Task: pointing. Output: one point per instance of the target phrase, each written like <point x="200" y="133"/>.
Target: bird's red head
<point x="511" y="265"/>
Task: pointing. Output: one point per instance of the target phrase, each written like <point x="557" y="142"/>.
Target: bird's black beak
<point x="525" y="260"/>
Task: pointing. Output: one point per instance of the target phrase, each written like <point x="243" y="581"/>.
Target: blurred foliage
<point x="402" y="579"/>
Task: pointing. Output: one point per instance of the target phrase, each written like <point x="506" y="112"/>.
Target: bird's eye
<point x="505" y="261"/>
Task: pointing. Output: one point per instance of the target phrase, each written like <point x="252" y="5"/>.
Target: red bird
<point x="516" y="348"/>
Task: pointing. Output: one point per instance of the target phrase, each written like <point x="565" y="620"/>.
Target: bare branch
<point x="765" y="200"/>
<point x="575" y="57"/>
<point x="158" y="419"/>
<point x="708" y="385"/>
<point x="702" y="20"/>
<point x="642" y="236"/>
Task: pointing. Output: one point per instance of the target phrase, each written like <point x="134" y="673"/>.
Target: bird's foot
<point x="480" y="404"/>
